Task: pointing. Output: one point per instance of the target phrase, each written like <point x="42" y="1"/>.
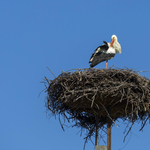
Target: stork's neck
<point x="111" y="44"/>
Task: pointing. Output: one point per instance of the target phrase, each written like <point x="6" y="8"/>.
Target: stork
<point x="105" y="52"/>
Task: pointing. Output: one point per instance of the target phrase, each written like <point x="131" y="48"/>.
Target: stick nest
<point x="82" y="94"/>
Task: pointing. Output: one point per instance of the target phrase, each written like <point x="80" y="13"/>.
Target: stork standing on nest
<point x="105" y="52"/>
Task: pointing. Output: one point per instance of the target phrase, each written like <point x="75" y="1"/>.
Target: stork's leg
<point x="106" y="63"/>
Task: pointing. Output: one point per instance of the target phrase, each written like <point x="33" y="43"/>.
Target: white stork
<point x="105" y="52"/>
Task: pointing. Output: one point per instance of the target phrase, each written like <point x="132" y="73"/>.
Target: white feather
<point x="111" y="50"/>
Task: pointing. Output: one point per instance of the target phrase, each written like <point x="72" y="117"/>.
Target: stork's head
<point x="114" y="43"/>
<point x="113" y="38"/>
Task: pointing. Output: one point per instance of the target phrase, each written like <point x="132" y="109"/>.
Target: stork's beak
<point x="112" y="41"/>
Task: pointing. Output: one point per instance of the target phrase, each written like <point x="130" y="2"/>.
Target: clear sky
<point x="62" y="34"/>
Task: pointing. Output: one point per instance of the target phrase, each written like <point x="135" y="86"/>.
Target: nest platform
<point x="81" y="94"/>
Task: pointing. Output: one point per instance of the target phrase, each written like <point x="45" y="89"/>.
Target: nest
<point x="82" y="94"/>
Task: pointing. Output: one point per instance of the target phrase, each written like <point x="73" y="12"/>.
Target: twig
<point x="94" y="98"/>
<point x="144" y="123"/>
<point x="128" y="132"/>
<point x="109" y="115"/>
<point x="41" y="92"/>
<point x="51" y="72"/>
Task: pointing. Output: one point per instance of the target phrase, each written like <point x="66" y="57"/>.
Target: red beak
<point x="111" y="43"/>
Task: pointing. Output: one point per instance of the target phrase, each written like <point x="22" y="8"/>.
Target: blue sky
<point x="62" y="35"/>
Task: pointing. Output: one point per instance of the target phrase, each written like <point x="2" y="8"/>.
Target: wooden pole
<point x="109" y="122"/>
<point x="96" y="136"/>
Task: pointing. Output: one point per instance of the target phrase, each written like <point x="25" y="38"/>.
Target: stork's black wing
<point x="100" y="57"/>
<point x="99" y="49"/>
<point x="97" y="53"/>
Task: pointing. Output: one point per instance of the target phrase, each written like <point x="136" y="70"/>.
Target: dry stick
<point x="109" y="115"/>
<point x="144" y="123"/>
<point x="128" y="131"/>
<point x="94" y="98"/>
<point x="41" y="92"/>
<point x="51" y="72"/>
<point x="91" y="100"/>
